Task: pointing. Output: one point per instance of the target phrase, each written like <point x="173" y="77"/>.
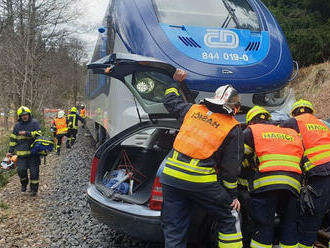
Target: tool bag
<point x="43" y="145"/>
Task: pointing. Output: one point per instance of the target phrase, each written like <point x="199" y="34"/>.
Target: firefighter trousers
<point x="72" y="133"/>
<point x="308" y="225"/>
<point x="244" y="198"/>
<point x="29" y="163"/>
<point x="264" y="206"/>
<point x="176" y="214"/>
<point x="59" y="138"/>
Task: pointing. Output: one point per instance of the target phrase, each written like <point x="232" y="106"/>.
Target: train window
<point x="208" y="13"/>
<point x="150" y="85"/>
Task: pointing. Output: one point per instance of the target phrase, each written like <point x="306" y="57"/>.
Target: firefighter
<point x="72" y="122"/>
<point x="244" y="186"/>
<point x="60" y="128"/>
<point x="210" y="140"/>
<point x="83" y="113"/>
<point x="25" y="132"/>
<point x="316" y="139"/>
<point x="277" y="182"/>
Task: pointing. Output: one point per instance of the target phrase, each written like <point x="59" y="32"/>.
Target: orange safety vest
<point x="61" y="126"/>
<point x="83" y="113"/>
<point x="203" y="132"/>
<point x="316" y="139"/>
<point x="277" y="148"/>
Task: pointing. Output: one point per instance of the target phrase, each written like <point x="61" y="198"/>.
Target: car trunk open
<point x="145" y="151"/>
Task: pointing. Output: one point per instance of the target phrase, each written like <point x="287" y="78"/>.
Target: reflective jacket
<point x="203" y="132"/>
<point x="61" y="126"/>
<point x="316" y="138"/>
<point x="83" y="113"/>
<point x="208" y="148"/>
<point x="72" y="120"/>
<point x="279" y="152"/>
<point x="19" y="144"/>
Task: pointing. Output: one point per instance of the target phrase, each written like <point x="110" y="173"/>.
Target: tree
<point x="37" y="51"/>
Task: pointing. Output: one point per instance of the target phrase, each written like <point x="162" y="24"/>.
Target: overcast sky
<point x="92" y="15"/>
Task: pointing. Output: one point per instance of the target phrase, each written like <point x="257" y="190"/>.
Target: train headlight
<point x="145" y="85"/>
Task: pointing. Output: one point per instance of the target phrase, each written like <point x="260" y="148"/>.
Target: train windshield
<point x="208" y="13"/>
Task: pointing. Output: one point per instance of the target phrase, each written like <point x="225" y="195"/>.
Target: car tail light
<point x="95" y="163"/>
<point x="156" y="199"/>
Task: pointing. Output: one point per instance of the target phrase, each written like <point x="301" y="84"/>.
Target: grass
<point x="3" y="205"/>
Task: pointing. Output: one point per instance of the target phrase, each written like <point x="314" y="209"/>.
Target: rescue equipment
<point x="9" y="163"/>
<point x="43" y="145"/>
<point x="125" y="179"/>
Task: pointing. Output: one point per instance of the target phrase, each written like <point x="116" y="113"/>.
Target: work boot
<point x="33" y="193"/>
<point x="23" y="188"/>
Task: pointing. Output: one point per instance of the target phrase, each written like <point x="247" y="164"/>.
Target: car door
<point x="147" y="78"/>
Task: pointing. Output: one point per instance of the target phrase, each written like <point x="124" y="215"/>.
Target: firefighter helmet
<point x="301" y="105"/>
<point x="74" y="110"/>
<point x="23" y="111"/>
<point x="60" y="114"/>
<point x="227" y="97"/>
<point x="257" y="111"/>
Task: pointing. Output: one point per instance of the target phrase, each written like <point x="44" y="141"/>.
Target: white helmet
<point x="227" y="97"/>
<point x="60" y="114"/>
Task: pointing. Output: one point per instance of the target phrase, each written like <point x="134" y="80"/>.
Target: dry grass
<point x="313" y="84"/>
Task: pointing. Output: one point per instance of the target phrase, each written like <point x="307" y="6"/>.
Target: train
<point x="218" y="42"/>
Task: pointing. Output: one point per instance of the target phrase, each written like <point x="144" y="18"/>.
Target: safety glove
<point x="306" y="200"/>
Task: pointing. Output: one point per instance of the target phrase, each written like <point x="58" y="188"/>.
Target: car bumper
<point x="135" y="220"/>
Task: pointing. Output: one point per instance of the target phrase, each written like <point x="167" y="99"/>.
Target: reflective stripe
<point x="279" y="163"/>
<point x="44" y="142"/>
<point x="319" y="156"/>
<point x="229" y="185"/>
<point x="255" y="244"/>
<point x="36" y="133"/>
<point x="288" y="246"/>
<point x="245" y="163"/>
<point x="279" y="157"/>
<point x="190" y="166"/>
<point x="304" y="246"/>
<point x="190" y="178"/>
<point x="243" y="182"/>
<point x="276" y="179"/>
<point x="308" y="166"/>
<point x="247" y="149"/>
<point x="317" y="149"/>
<point x="230" y="237"/>
<point x="34" y="181"/>
<point x="238" y="244"/>
<point x="192" y="169"/>
<point x="12" y="143"/>
<point x="171" y="90"/>
<point x="23" y="153"/>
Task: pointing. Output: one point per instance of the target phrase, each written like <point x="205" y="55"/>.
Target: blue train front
<point x="216" y="41"/>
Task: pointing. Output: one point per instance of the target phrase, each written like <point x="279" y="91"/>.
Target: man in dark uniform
<point x="315" y="135"/>
<point x="25" y="132"/>
<point x="72" y="122"/>
<point x="276" y="183"/>
<point x="203" y="166"/>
